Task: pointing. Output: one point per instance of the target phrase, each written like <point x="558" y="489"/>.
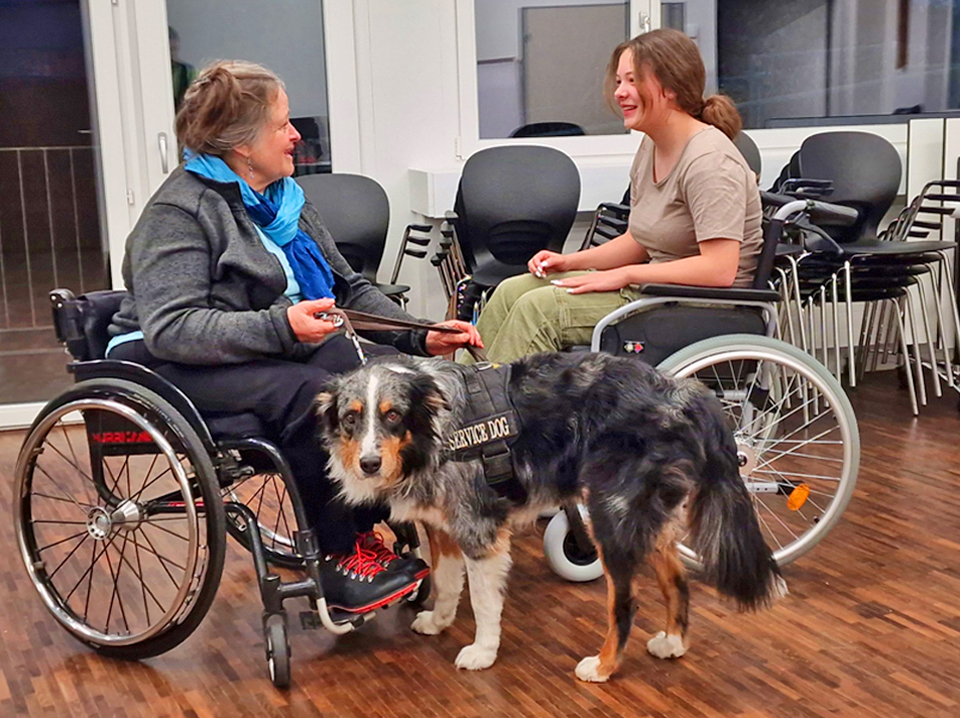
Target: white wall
<point x="283" y="35"/>
<point x="408" y="104"/>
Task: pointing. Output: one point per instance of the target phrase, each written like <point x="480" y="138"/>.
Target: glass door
<point x="287" y="37"/>
<point x="50" y="221"/>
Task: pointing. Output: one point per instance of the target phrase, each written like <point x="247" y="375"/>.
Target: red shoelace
<point x="362" y="562"/>
<point x="372" y="541"/>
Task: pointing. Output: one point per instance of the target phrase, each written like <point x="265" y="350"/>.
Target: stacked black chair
<point x="512" y="202"/>
<point x="356" y="210"/>
<point x="856" y="263"/>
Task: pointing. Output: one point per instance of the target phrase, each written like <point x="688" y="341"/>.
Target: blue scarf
<point x="277" y="214"/>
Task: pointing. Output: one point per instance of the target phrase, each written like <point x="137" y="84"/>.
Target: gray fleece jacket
<point x="204" y="289"/>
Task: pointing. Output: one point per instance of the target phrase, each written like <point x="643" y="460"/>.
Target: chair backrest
<point x="548" y="129"/>
<point x="865" y="172"/>
<point x="81" y="322"/>
<point x="357" y="212"/>
<point x="514" y="201"/>
<point x="751" y="153"/>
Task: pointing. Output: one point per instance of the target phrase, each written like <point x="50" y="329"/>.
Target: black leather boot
<point x="373" y="541"/>
<point x="356" y="582"/>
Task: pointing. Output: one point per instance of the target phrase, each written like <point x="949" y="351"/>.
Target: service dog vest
<point x="488" y="427"/>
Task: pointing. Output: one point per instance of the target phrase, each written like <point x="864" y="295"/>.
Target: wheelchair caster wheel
<point x="278" y="649"/>
<point x="420" y="596"/>
<point x="565" y="556"/>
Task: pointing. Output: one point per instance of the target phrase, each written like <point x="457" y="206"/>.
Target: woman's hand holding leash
<point x="439" y="343"/>
<point x="306" y="325"/>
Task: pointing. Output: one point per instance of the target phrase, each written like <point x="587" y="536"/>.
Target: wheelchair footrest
<point x="310" y="620"/>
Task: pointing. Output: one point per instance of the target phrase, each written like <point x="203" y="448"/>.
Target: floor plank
<point x="871" y="626"/>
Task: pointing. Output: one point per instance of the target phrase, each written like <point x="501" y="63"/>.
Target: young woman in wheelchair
<point x="695" y="215"/>
<point x="227" y="269"/>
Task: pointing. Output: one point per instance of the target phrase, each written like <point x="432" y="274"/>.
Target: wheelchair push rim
<point x="87" y="506"/>
<point x="796" y="432"/>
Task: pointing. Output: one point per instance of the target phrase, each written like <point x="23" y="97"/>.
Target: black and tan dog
<point x="648" y="455"/>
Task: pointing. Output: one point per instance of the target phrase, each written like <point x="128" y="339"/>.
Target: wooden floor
<point x="871" y="627"/>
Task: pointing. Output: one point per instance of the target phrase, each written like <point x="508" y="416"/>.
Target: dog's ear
<point x="327" y="411"/>
<point x="425" y="392"/>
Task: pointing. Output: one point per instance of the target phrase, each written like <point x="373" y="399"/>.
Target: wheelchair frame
<point x="127" y="410"/>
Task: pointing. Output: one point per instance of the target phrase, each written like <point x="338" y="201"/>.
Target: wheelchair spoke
<point x="793" y="473"/>
<point x="73" y="464"/>
<point x="41" y="549"/>
<point x="143" y="583"/>
<point x="67" y="500"/>
<point x="93" y="563"/>
<point x="767" y="526"/>
<point x="136" y="497"/>
<point x="67" y="557"/>
<point x="280" y="514"/>
<point x="163" y="559"/>
<point x="115" y="593"/>
<point x="166" y="530"/>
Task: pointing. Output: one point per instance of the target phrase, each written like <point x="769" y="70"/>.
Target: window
<point x="289" y="41"/>
<point x="533" y="70"/>
<point x="796" y="63"/>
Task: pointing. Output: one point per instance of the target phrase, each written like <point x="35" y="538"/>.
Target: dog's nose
<point x="370" y="464"/>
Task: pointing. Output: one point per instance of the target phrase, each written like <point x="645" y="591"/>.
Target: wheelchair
<point x="797" y="439"/>
<point x="122" y="467"/>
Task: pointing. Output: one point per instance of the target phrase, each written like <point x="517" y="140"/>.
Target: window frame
<point x="644" y="15"/>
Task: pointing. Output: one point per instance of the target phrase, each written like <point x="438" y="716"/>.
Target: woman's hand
<point x="608" y="280"/>
<point x="439" y="343"/>
<point x="546" y="262"/>
<point x="305" y="325"/>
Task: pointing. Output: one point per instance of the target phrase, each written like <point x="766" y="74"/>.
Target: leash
<point x="351" y="320"/>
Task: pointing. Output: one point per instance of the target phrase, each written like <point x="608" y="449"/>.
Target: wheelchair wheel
<point x="277" y="646"/>
<point x="564" y="555"/>
<point x="796" y="434"/>
<point x="119" y="519"/>
<point x="267" y="496"/>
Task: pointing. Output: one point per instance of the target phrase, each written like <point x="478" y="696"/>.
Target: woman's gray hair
<point x="226" y="106"/>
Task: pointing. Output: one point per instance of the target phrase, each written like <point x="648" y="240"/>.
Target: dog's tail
<point x="723" y="524"/>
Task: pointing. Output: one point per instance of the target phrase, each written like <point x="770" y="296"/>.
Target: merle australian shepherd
<point x="648" y="455"/>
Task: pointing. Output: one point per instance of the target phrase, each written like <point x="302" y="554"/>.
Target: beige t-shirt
<point x="711" y="193"/>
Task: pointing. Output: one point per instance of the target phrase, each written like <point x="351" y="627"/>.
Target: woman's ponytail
<point x="719" y="111"/>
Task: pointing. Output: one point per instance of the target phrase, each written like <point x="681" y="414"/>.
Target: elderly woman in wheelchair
<point x="205" y="390"/>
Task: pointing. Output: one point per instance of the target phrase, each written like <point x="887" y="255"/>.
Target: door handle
<point x="645" y="23"/>
<point x="162" y="145"/>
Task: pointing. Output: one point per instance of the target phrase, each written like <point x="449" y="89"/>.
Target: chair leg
<point x="834" y="311"/>
<point x="935" y="375"/>
<point x="795" y="271"/>
<point x="936" y="287"/>
<point x="918" y="362"/>
<point x="866" y="334"/>
<point x="824" y="349"/>
<point x="897" y="309"/>
<point x="952" y="294"/>
<point x="848" y="291"/>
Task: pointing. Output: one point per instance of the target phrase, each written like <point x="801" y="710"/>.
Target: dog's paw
<point x="589" y="670"/>
<point x="664" y="646"/>
<point x="476" y="658"/>
<point x="428" y="623"/>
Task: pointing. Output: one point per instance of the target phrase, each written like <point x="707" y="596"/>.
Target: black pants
<point x="281" y="394"/>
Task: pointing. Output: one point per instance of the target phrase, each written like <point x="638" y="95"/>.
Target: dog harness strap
<point x="488" y="427"/>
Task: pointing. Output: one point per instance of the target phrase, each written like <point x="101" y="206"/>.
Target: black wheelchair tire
<point x="141" y="399"/>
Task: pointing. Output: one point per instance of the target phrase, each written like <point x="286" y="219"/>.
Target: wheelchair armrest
<point x="735" y="294"/>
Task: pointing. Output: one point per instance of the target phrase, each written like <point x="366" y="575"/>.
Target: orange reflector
<point x="798" y="497"/>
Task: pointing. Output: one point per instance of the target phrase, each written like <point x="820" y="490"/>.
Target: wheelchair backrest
<point x="81" y="322"/>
